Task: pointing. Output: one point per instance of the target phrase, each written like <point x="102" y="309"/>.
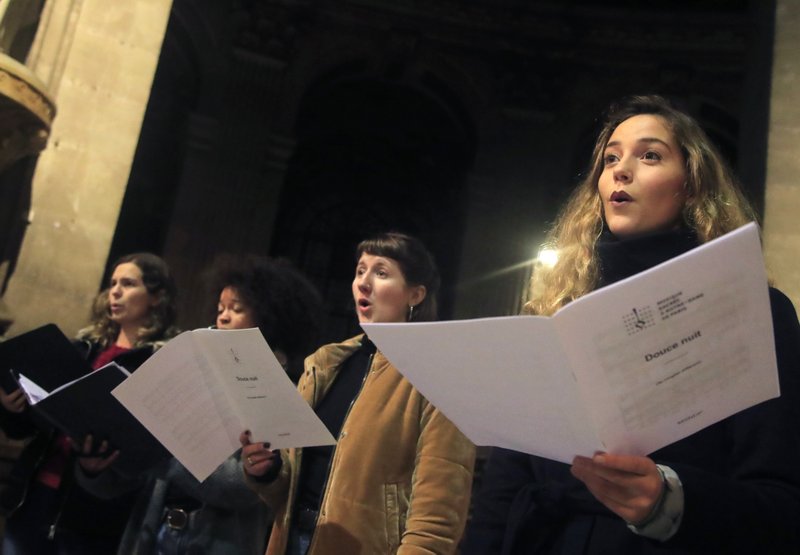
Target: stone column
<point x="98" y="59"/>
<point x="234" y="172"/>
<point x="782" y="202"/>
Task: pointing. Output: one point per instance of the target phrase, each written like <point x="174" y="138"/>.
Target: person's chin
<point x="366" y="316"/>
<point x="622" y="230"/>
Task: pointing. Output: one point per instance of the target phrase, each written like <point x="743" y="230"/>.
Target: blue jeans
<point x="177" y="541"/>
<point x="299" y="541"/>
<point x="169" y="541"/>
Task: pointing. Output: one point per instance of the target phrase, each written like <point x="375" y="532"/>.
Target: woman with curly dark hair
<point x="272" y="295"/>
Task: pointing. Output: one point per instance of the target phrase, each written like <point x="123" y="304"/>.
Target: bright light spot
<point x="547" y="257"/>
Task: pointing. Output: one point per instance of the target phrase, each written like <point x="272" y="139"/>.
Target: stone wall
<point x="782" y="210"/>
<point x="98" y="63"/>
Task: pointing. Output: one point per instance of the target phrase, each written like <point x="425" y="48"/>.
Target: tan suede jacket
<point x="401" y="473"/>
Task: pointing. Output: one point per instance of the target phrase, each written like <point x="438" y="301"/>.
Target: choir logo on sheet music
<point x="638" y="319"/>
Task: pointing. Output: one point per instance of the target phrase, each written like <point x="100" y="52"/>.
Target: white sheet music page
<point x="501" y="381"/>
<point x="676" y="348"/>
<point x="628" y="368"/>
<point x="199" y="391"/>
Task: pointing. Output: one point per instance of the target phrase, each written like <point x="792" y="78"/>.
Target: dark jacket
<point x="740" y="479"/>
<point x="230" y="518"/>
<point x="108" y="518"/>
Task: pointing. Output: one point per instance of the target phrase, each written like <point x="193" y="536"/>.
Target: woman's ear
<point x="156" y="298"/>
<point x="418" y="293"/>
<point x="688" y="189"/>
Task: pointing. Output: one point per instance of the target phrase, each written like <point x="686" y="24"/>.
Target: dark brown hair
<point x="416" y="263"/>
<point x="158" y="281"/>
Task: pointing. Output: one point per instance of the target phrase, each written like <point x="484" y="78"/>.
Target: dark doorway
<point x="372" y="156"/>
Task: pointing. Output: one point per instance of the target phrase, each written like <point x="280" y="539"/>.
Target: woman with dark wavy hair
<point x="131" y="318"/>
<point x="221" y="515"/>
<point x="120" y="317"/>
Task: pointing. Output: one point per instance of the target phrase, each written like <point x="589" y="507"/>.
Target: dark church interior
<point x="295" y="129"/>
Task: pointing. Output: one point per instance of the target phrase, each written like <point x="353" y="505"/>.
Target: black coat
<point x="741" y="481"/>
<point x="108" y="518"/>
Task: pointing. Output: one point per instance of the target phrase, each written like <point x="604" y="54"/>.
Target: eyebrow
<point x="646" y="140"/>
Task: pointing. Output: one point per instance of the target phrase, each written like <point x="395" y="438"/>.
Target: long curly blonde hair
<point x="715" y="205"/>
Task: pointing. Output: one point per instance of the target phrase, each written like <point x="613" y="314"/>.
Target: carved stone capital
<point x="26" y="112"/>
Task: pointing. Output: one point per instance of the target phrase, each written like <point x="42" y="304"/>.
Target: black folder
<point x="45" y="355"/>
<point x="85" y="404"/>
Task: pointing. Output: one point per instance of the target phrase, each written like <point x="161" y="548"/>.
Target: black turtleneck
<point x="622" y="258"/>
<point x="332" y="410"/>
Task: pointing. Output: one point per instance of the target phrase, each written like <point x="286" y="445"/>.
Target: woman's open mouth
<point x="620" y="197"/>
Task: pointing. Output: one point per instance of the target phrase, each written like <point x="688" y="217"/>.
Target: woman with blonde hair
<point x="712" y="205"/>
<point x="656" y="188"/>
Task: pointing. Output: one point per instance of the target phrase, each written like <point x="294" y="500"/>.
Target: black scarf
<point x="621" y="258"/>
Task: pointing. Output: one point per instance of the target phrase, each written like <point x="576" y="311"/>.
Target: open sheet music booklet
<point x="203" y="388"/>
<point x="628" y="368"/>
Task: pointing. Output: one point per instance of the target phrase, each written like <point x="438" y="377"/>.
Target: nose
<point x="363" y="283"/>
<point x="622" y="172"/>
<point x="115" y="291"/>
<point x="224" y="316"/>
